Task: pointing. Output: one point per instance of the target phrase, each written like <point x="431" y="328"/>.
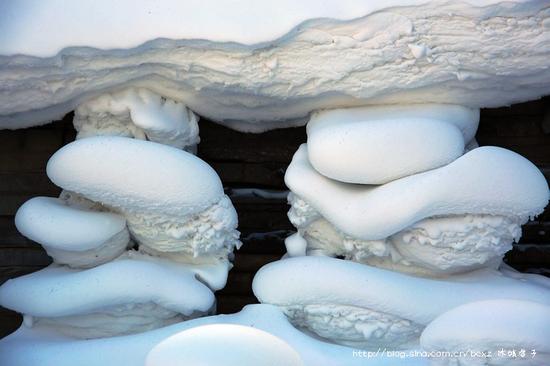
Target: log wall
<point x="245" y="161"/>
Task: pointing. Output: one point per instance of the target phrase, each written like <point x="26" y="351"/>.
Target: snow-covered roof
<point x="258" y="65"/>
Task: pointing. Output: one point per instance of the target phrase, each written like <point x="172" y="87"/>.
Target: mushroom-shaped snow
<point x="495" y="327"/>
<point x="363" y="306"/>
<point x="138" y="113"/>
<point x="132" y="294"/>
<point x="223" y="344"/>
<point x="375" y="145"/>
<point x="72" y="235"/>
<point x="173" y="201"/>
<point x="462" y="216"/>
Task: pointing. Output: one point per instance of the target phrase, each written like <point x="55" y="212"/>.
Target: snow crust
<point x="223" y="344"/>
<point x="490" y="326"/>
<point x="127" y="295"/>
<point x="486" y="180"/>
<point x="141" y="114"/>
<point x="405" y="302"/>
<point x="375" y="145"/>
<point x="42" y="346"/>
<point x="205" y="56"/>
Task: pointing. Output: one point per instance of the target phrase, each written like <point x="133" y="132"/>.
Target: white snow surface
<point x="42" y="346"/>
<point x="486" y="180"/>
<point x="223" y="344"/>
<point x="52" y="223"/>
<point x="260" y="65"/>
<point x="135" y="175"/>
<point x="58" y="291"/>
<point x="490" y="326"/>
<point x="141" y="114"/>
<point x="375" y="145"/>
<point x="328" y="281"/>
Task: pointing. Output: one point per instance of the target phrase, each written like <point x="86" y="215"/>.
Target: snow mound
<point x="492" y="326"/>
<point x="42" y="346"/>
<point x="270" y="63"/>
<point x="223" y="344"/>
<point x="141" y="114"/>
<point x="486" y="180"/>
<point x="351" y="303"/>
<point x="173" y="201"/>
<point x="125" y="296"/>
<point x="375" y="145"/>
<point x="135" y="175"/>
<point x="72" y="235"/>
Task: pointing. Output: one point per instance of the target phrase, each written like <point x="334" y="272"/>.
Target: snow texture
<point x="141" y="114"/>
<point x="489" y="326"/>
<point x="223" y="344"/>
<point x="486" y="180"/>
<point x="270" y="63"/>
<point x="173" y="201"/>
<point x="375" y="145"/>
<point x="131" y="294"/>
<point x="351" y="303"/>
<point x="43" y="346"/>
<point x="71" y="235"/>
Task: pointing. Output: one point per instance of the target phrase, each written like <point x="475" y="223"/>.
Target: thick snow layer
<point x="389" y="305"/>
<point x="433" y="246"/>
<point x="73" y="235"/>
<point x="42" y="346"/>
<point x="270" y="63"/>
<point x="375" y="145"/>
<point x="486" y="180"/>
<point x="173" y="201"/>
<point x="141" y="114"/>
<point x="135" y="175"/>
<point x="489" y="326"/>
<point x="223" y="344"/>
<point x="124" y="296"/>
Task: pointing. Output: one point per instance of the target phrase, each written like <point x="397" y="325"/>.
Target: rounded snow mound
<point x="492" y="325"/>
<point x="223" y="344"/>
<point x="135" y="175"/>
<point x="375" y="145"/>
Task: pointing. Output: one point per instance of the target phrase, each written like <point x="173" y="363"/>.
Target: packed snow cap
<point x="404" y="188"/>
<point x="362" y="306"/>
<point x="255" y="65"/>
<point x="73" y="235"/>
<point x="173" y="201"/>
<point x="131" y="294"/>
<point x="223" y="344"/>
<point x="492" y="326"/>
<point x="375" y="145"/>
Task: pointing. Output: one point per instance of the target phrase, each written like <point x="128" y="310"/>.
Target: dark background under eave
<point x="245" y="160"/>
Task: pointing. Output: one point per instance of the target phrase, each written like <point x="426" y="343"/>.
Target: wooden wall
<point x="246" y="160"/>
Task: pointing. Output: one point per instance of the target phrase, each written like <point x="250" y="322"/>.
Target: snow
<point x="173" y="201"/>
<point x="122" y="296"/>
<point x="42" y="346"/>
<point x="490" y="326"/>
<point x="335" y="291"/>
<point x="257" y="66"/>
<point x="295" y="245"/>
<point x="52" y="223"/>
<point x="141" y="114"/>
<point x="223" y="344"/>
<point x="375" y="145"/>
<point x="486" y="180"/>
<point x="135" y="175"/>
